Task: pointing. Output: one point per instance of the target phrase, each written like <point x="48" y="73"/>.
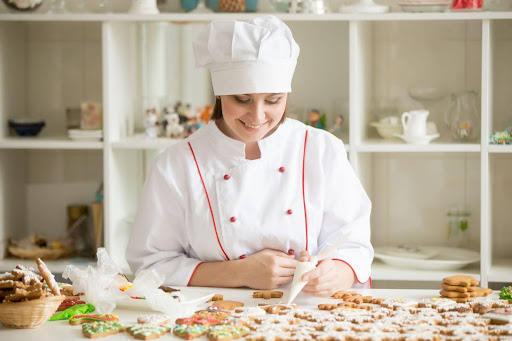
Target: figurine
<point x="336" y="130"/>
<point x="315" y="119"/>
<point x="151" y="123"/>
<point x="205" y="114"/>
<point x="183" y="110"/>
<point x="173" y="128"/>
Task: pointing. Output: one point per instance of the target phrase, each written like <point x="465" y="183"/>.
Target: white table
<point x="62" y="330"/>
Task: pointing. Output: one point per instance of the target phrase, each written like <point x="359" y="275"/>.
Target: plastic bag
<point x="101" y="285"/>
<point x="146" y="285"/>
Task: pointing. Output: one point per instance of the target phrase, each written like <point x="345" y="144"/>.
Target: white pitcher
<point x="415" y="123"/>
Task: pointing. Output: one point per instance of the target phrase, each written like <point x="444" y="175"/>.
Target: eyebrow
<point x="270" y="95"/>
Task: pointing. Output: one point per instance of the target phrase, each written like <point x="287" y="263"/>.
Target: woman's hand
<point x="327" y="278"/>
<point x="267" y="269"/>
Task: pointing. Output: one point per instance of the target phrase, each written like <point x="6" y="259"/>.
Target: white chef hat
<point x="248" y="57"/>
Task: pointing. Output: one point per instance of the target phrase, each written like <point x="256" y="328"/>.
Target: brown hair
<point x="217" y="111"/>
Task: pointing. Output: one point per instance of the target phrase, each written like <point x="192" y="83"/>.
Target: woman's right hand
<point x="268" y="269"/>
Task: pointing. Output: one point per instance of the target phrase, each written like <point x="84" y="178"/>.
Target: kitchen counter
<point x="62" y="330"/>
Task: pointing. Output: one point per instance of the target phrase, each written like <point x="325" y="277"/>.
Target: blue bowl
<point x="189" y="5"/>
<point x="26" y="127"/>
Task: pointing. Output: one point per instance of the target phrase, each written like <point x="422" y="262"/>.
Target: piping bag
<point x="303" y="267"/>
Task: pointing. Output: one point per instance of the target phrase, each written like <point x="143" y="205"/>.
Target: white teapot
<point x="415" y="123"/>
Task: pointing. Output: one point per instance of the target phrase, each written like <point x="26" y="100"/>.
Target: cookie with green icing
<point x="87" y="318"/>
<point x="100" y="328"/>
<point x="227" y="332"/>
<point x="147" y="331"/>
<point x="189" y="331"/>
<point x="506" y="293"/>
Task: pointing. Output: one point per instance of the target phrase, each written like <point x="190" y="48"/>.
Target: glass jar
<point x="457" y="226"/>
<point x="464" y="117"/>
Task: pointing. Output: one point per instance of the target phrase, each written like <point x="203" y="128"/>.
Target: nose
<point x="258" y="111"/>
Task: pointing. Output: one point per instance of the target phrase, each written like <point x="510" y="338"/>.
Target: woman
<point x="230" y="205"/>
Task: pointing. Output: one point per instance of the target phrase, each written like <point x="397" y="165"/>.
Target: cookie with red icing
<point x="88" y="318"/>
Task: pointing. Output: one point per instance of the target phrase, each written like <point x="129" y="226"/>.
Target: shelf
<point x="188" y="17"/>
<point x="382" y="271"/>
<point x="142" y="142"/>
<point x="47" y="142"/>
<point x="56" y="266"/>
<point x="501" y="271"/>
<point x="398" y="146"/>
<point x="496" y="148"/>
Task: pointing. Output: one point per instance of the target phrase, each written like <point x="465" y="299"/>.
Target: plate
<point x="447" y="258"/>
<point x="418" y="140"/>
<point x="187" y="307"/>
<point x="418" y="252"/>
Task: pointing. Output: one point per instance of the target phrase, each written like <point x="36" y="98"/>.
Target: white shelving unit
<point x="364" y="58"/>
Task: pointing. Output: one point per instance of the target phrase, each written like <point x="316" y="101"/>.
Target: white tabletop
<point x="62" y="330"/>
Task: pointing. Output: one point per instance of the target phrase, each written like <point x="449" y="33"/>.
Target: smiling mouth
<point x="258" y="126"/>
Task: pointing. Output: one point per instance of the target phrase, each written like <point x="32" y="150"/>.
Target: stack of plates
<point x="424" y="5"/>
<point x="85" y="135"/>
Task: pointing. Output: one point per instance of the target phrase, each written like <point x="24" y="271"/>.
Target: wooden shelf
<point x="189" y="17"/>
<point x="382" y="271"/>
<point x="496" y="148"/>
<point x="47" y="142"/>
<point x="398" y="146"/>
<point x="56" y="266"/>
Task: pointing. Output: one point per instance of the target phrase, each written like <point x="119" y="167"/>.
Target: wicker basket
<point x="29" y="314"/>
<point x="40" y="252"/>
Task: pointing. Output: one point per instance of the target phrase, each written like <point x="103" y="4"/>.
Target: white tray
<point x="447" y="258"/>
<point x="186" y="307"/>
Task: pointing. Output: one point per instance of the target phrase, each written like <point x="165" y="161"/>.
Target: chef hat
<point x="248" y="57"/>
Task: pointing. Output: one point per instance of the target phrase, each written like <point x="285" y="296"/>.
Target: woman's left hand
<point x="327" y="278"/>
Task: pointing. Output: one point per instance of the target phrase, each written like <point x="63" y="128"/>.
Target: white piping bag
<point x="302" y="267"/>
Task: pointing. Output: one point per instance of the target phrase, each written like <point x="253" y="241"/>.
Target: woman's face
<point x="250" y="117"/>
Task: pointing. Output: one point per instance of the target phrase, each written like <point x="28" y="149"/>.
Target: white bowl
<point x="387" y="131"/>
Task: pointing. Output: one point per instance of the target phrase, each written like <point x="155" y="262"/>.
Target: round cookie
<point x="49" y="278"/>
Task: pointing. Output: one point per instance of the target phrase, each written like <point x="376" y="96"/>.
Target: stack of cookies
<point x="461" y="288"/>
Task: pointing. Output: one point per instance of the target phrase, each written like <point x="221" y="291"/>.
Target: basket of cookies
<point x="27" y="298"/>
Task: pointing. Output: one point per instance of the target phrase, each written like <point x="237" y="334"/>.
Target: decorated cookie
<point x="189" y="332"/>
<point x="202" y="320"/>
<point x="228" y="305"/>
<point x="147" y="331"/>
<point x="267" y="294"/>
<point x="154" y="319"/>
<point x="277" y="308"/>
<point x="69" y="303"/>
<point x="398" y="303"/>
<point x="436" y="302"/>
<point x="49" y="278"/>
<point x="100" y="328"/>
<point x="499" y="315"/>
<point x="506" y="293"/>
<point x="248" y="312"/>
<point x="87" y="318"/>
<point x="227" y="332"/>
<point x="217" y="313"/>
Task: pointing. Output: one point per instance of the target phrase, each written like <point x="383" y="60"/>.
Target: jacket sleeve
<point x="159" y="239"/>
<point x="347" y="208"/>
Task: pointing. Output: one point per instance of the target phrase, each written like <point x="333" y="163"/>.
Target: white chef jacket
<point x="203" y="201"/>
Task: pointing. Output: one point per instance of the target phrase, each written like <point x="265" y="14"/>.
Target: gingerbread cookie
<point x="189" y="332"/>
<point x="216" y="297"/>
<point x="227" y="332"/>
<point x="499" y="315"/>
<point x="343" y="294"/>
<point x="228" y="305"/>
<point x="248" y="312"/>
<point x="480" y="292"/>
<point x="49" y="278"/>
<point x="101" y="329"/>
<point x="454" y="294"/>
<point x="214" y="312"/>
<point x="506" y="293"/>
<point x="277" y="308"/>
<point x="327" y="306"/>
<point x="197" y="319"/>
<point x="457" y="288"/>
<point x="69" y="303"/>
<point x="267" y="294"/>
<point x="154" y="319"/>
<point x="88" y="318"/>
<point x="461" y="280"/>
<point x="147" y="331"/>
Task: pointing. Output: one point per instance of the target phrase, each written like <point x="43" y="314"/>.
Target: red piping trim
<point x="209" y="204"/>
<point x="193" y="272"/>
<point x="351" y="268"/>
<point x="303" y="190"/>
